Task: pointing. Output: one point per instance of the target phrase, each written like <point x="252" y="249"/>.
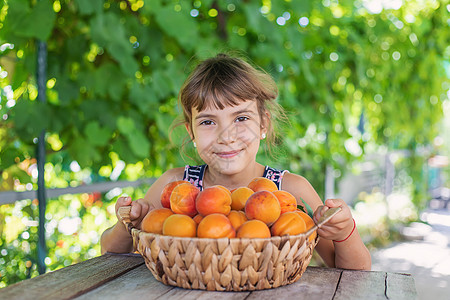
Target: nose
<point x="227" y="135"/>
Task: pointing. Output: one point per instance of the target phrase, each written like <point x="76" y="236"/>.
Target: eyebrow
<point x="242" y="111"/>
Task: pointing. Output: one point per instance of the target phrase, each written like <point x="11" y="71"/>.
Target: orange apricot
<point x="253" y="229"/>
<point x="198" y="218"/>
<point x="287" y="201"/>
<point x="154" y="220"/>
<point x="212" y="200"/>
<point x="222" y="187"/>
<point x="263" y="206"/>
<point x="237" y="218"/>
<point x="308" y="222"/>
<point x="167" y="191"/>
<point x="288" y="223"/>
<point x="239" y="197"/>
<point x="180" y="225"/>
<point x="215" y="226"/>
<point x="182" y="199"/>
<point x="262" y="184"/>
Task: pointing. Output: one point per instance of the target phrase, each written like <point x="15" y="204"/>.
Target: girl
<point x="228" y="107"/>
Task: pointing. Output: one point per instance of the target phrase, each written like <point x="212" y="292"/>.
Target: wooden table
<point x="118" y="276"/>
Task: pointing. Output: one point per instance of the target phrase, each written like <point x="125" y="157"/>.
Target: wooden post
<point x="41" y="78"/>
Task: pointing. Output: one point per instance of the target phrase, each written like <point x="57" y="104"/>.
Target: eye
<point x="242" y="119"/>
<point x="207" y="122"/>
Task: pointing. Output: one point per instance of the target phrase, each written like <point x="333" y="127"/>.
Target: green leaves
<point x="30" y="22"/>
<point x="108" y="32"/>
<point x="84" y="152"/>
<point x="97" y="136"/>
<point x="115" y="69"/>
<point x="177" y="24"/>
<point x="30" y="118"/>
<point x="137" y="141"/>
<point x="87" y="7"/>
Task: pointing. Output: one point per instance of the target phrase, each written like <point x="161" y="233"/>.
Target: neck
<point x="214" y="177"/>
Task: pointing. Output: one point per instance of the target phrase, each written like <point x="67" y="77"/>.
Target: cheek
<point x="248" y="134"/>
<point x="204" y="139"/>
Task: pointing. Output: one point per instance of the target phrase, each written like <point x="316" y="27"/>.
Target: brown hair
<point x="224" y="80"/>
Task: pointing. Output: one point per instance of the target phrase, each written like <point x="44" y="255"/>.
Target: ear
<point x="265" y="120"/>
<point x="189" y="130"/>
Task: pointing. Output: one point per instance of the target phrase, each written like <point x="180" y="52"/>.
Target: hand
<point x="139" y="209"/>
<point x="339" y="226"/>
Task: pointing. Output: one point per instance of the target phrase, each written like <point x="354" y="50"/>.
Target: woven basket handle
<point x="124" y="216"/>
<point x="324" y="218"/>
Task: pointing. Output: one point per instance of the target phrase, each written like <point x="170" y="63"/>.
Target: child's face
<point x="228" y="140"/>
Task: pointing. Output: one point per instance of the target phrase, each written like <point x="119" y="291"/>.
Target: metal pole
<point x="329" y="182"/>
<point x="41" y="78"/>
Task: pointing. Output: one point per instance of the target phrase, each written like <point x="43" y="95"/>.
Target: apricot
<point x="215" y="226"/>
<point x="167" y="191"/>
<point x="253" y="229"/>
<point x="212" y="200"/>
<point x="198" y="218"/>
<point x="287" y="201"/>
<point x="263" y="206"/>
<point x="180" y="225"/>
<point x="262" y="184"/>
<point x="154" y="220"/>
<point x="288" y="223"/>
<point x="239" y="197"/>
<point x="237" y="218"/>
<point x="309" y="223"/>
<point x="222" y="187"/>
<point x="182" y="199"/>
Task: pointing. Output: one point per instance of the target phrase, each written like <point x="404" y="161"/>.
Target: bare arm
<point x="153" y="195"/>
<point x="351" y="254"/>
<point x="116" y="238"/>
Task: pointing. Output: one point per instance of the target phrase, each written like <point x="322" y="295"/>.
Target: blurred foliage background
<point x="357" y="78"/>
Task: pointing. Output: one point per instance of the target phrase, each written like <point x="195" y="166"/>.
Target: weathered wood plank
<point x="73" y="280"/>
<point x="179" y="293"/>
<point x="361" y="285"/>
<point x="315" y="283"/>
<point x="139" y="283"/>
<point x="400" y="286"/>
<point x="126" y="277"/>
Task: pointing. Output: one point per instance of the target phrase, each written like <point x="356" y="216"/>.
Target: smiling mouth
<point x="228" y="154"/>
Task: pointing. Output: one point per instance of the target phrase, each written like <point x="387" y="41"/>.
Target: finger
<point x="123" y="201"/>
<point x="333" y="203"/>
<point x="335" y="230"/>
<point x="324" y="233"/>
<point x="144" y="207"/>
<point x="136" y="209"/>
<point x="141" y="208"/>
<point x="319" y="212"/>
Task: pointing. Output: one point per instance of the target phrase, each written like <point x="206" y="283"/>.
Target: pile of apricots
<point x="258" y="210"/>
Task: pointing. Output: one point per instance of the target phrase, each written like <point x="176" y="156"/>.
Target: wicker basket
<point x="237" y="264"/>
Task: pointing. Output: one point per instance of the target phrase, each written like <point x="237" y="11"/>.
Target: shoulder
<point x="154" y="192"/>
<point x="294" y="181"/>
<point x="300" y="187"/>
<point x="172" y="175"/>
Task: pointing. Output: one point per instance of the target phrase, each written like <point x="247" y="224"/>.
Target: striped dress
<point x="194" y="175"/>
